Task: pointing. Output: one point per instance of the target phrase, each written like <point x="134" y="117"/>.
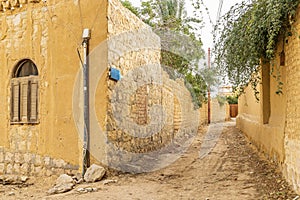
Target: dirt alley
<point x="232" y="170"/>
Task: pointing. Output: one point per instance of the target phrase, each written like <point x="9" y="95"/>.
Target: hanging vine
<point x="249" y="33"/>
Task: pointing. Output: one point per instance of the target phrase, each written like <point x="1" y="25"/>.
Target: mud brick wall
<point x="292" y="130"/>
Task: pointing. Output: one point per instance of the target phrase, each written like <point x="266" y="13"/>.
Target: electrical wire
<point x="80" y="58"/>
<point x="219" y="10"/>
<point x="97" y="13"/>
<point x="207" y="12"/>
<point x="80" y="13"/>
<point x="65" y="26"/>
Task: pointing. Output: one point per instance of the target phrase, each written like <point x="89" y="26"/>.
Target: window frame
<point x="24" y="108"/>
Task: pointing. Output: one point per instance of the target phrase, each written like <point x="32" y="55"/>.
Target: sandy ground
<point x="232" y="170"/>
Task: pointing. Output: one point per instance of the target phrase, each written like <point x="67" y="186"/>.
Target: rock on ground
<point x="64" y="183"/>
<point x="94" y="173"/>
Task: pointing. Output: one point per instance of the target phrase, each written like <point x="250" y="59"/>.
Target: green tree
<point x="181" y="44"/>
<point x="232" y="99"/>
<point x="127" y="4"/>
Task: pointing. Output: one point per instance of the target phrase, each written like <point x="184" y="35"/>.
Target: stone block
<point x="1" y="157"/>
<point x="47" y="161"/>
<point x="9" y="169"/>
<point x="27" y="158"/>
<point x="94" y="173"/>
<point x="9" y="157"/>
<point x="18" y="158"/>
<point x="39" y="171"/>
<point x="49" y="172"/>
<point x="2" y="168"/>
<point x="38" y="160"/>
<point x="25" y="168"/>
<point x="59" y="163"/>
<point x="16" y="168"/>
<point x="63" y="184"/>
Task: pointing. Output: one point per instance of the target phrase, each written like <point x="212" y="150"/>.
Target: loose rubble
<point x="13" y="179"/>
<point x="87" y="189"/>
<point x="107" y="182"/>
<point x="65" y="183"/>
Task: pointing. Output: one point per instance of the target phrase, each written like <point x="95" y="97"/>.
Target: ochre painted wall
<point x="279" y="135"/>
<point x="48" y="34"/>
<point x="267" y="132"/>
<point x="219" y="112"/>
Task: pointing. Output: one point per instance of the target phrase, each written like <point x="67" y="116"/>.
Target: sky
<point x="206" y="32"/>
<point x="212" y="5"/>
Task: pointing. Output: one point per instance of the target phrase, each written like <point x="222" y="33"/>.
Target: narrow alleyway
<point x="221" y="164"/>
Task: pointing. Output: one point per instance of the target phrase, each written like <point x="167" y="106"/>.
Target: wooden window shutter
<point x="33" y="105"/>
<point x="24" y="100"/>
<point x="24" y="93"/>
<point x="15" y="101"/>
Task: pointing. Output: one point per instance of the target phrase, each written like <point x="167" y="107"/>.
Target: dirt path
<point x="217" y="166"/>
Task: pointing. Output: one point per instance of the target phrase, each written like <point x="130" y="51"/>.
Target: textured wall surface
<point x="277" y="136"/>
<point x="203" y="114"/>
<point x="219" y="112"/>
<point x="292" y="129"/>
<point x="146" y="109"/>
<point x="266" y="131"/>
<point x="48" y="34"/>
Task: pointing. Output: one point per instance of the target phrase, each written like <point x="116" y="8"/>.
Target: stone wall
<point x="147" y="110"/>
<point x="13" y="162"/>
<point x="203" y="114"/>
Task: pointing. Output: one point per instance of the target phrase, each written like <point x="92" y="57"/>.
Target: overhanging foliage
<point x="248" y="33"/>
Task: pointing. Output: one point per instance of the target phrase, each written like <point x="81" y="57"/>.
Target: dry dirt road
<point x="232" y="170"/>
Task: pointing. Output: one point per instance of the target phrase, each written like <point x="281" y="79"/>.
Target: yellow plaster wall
<point x="269" y="136"/>
<point x="49" y="34"/>
<point x="218" y="111"/>
<point x="67" y="37"/>
<point x="280" y="138"/>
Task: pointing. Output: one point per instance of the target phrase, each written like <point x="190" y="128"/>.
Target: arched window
<point x="24" y="93"/>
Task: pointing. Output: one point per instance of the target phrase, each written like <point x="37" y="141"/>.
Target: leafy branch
<point x="180" y="40"/>
<point x="249" y="33"/>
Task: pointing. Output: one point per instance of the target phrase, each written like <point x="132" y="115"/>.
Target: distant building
<point x="225" y="91"/>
